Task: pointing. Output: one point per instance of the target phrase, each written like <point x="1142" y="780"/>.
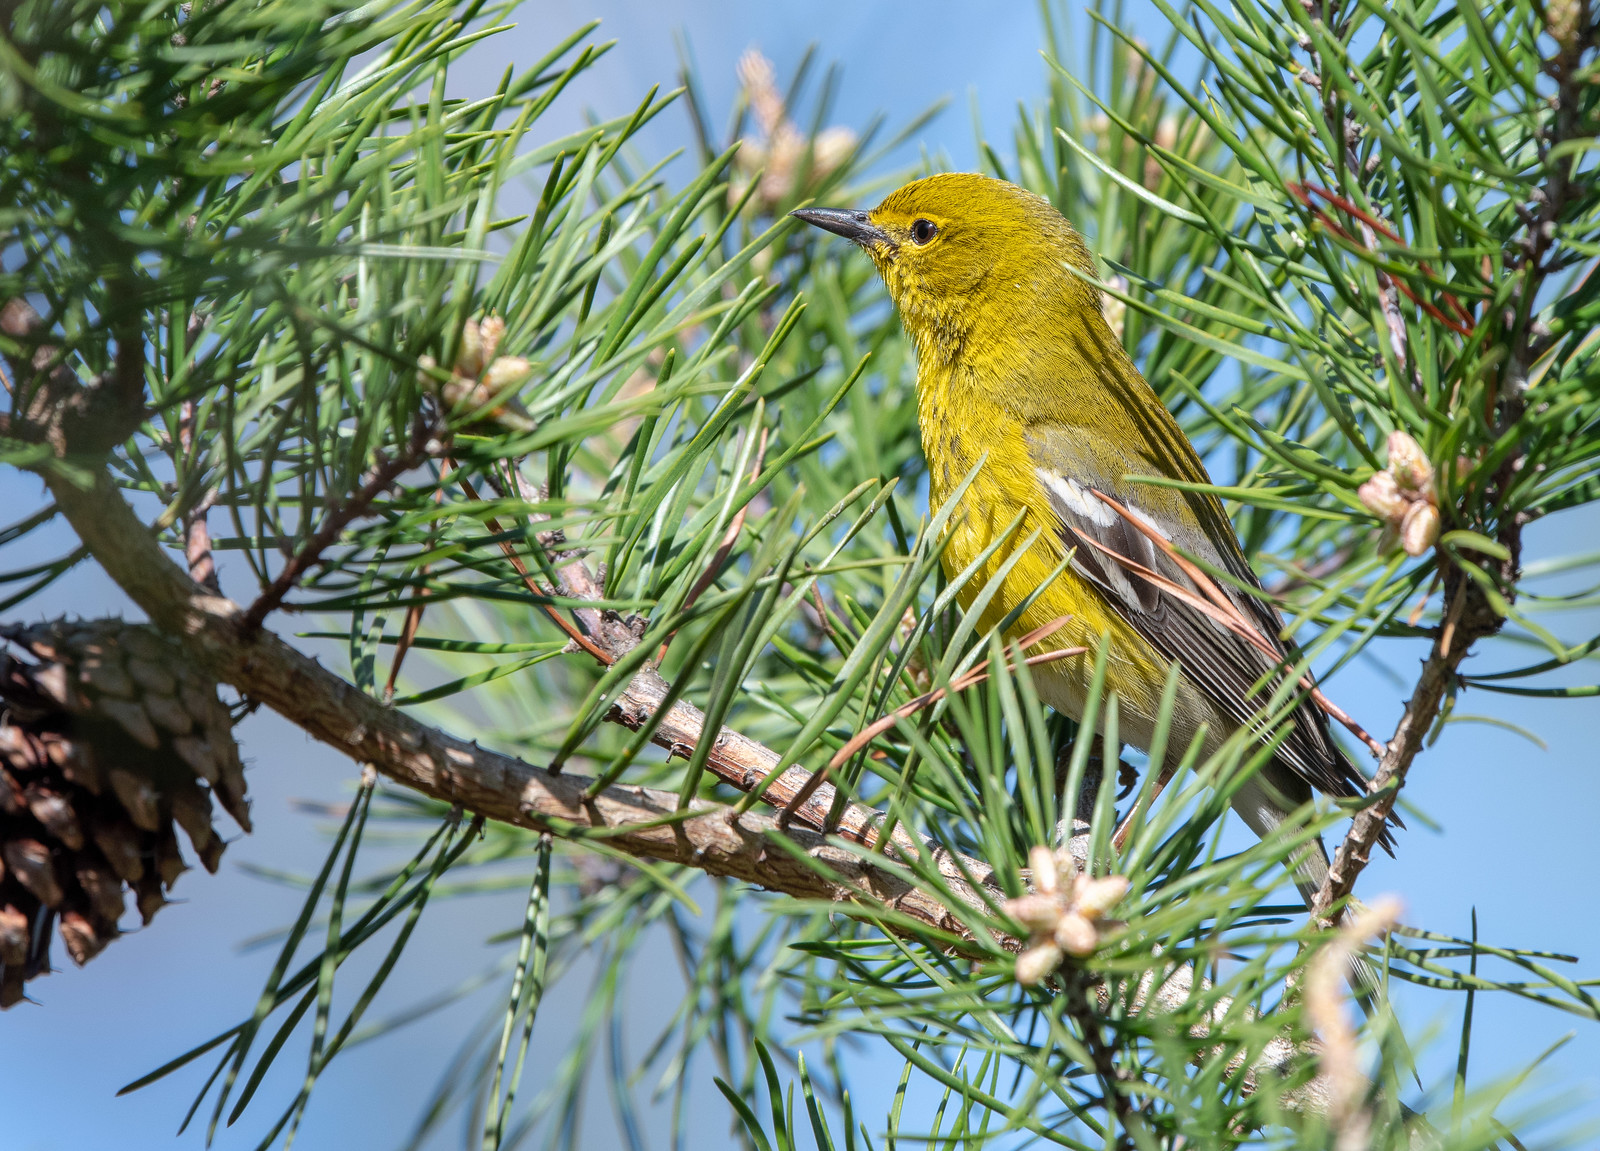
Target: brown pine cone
<point x="109" y="739"/>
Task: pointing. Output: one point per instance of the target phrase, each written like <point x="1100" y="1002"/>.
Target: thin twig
<point x="1421" y="709"/>
<point x="196" y="529"/>
<point x="197" y="544"/>
<point x="971" y="678"/>
<point x="574" y="633"/>
<point x="734" y="759"/>
<point x="1105" y="1066"/>
<point x="408" y="633"/>
<point x="413" y="621"/>
<point x="333" y="526"/>
<point x="822" y="615"/>
<point x="1462" y="323"/>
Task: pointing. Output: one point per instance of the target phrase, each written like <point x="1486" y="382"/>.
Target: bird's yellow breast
<point x="962" y="430"/>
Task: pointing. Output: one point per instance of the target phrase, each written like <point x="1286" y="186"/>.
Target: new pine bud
<point x="1036" y="964"/>
<point x="1075" y="935"/>
<point x="1098" y="896"/>
<point x="1042" y="862"/>
<point x="506" y="374"/>
<point x="1382" y="497"/>
<point x="490" y="332"/>
<point x="469" y="360"/>
<point x="1036" y="912"/>
<point x="1419" y="531"/>
<point x="1410" y="464"/>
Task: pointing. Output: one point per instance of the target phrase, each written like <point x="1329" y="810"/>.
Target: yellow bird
<point x="1017" y="367"/>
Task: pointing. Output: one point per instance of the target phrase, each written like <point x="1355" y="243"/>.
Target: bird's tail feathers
<point x="1262" y="810"/>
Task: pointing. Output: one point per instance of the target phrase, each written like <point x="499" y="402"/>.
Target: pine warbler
<point x="1017" y="367"/>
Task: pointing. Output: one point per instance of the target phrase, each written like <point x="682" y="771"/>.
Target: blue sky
<point x="1518" y="823"/>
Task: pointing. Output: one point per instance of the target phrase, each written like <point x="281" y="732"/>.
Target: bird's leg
<point x="1076" y="836"/>
<point x="1127" y="777"/>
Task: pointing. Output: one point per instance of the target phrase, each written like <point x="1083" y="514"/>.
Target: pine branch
<point x="710" y="837"/>
<point x="638" y="821"/>
<point x="736" y="760"/>
<point x="1422" y="709"/>
<point x="50" y="406"/>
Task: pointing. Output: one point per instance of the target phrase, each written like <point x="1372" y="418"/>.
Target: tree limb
<point x="638" y="821"/>
<point x="1449" y="649"/>
<point x="796" y="860"/>
<point x="49" y="403"/>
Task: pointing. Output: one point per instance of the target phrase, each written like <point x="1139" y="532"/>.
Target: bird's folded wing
<point x="1223" y="665"/>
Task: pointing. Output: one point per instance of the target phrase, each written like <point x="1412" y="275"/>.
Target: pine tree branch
<point x="738" y="761"/>
<point x="639" y="821"/>
<point x="711" y="837"/>
<point x="50" y="405"/>
<point x="1449" y="649"/>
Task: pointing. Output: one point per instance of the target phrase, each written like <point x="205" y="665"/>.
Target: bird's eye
<point x="923" y="230"/>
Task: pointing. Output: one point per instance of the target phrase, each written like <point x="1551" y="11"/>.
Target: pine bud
<point x="506" y="374"/>
<point x="1381" y="496"/>
<point x="490" y="332"/>
<point x="492" y="402"/>
<point x="1042" y="863"/>
<point x="1098" y="896"/>
<point x="1409" y="464"/>
<point x="469" y="359"/>
<point x="1075" y="935"/>
<point x="1419" y="531"/>
<point x="1037" y="963"/>
<point x="1036" y="912"/>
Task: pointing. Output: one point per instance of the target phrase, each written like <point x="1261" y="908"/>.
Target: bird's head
<point x="970" y="257"/>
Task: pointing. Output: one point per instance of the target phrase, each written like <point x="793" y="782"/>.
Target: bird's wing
<point x="1220" y="663"/>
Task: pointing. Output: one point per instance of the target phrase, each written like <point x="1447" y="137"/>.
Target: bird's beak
<point x="853" y="224"/>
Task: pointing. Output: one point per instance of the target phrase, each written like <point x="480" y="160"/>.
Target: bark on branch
<point x="635" y="820"/>
<point x="1449" y="649"/>
<point x="638" y="821"/>
<point x="796" y="860"/>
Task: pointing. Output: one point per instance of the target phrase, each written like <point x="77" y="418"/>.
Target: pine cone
<point x="108" y="737"/>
